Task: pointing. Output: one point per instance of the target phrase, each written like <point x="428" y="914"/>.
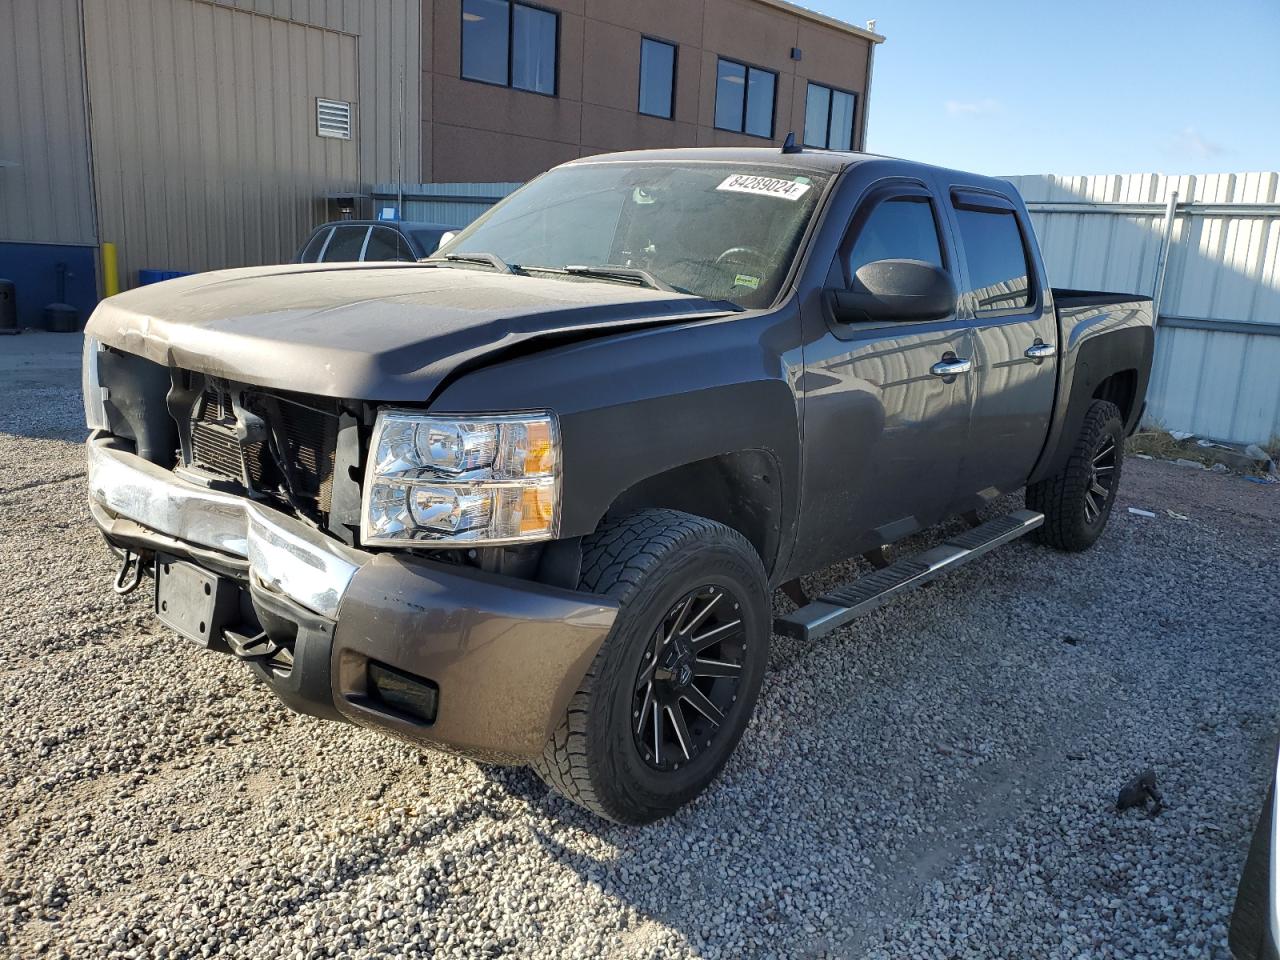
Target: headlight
<point x="474" y="481"/>
<point x="95" y="414"/>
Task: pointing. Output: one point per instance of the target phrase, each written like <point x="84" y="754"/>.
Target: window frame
<point x="675" y="67"/>
<point x="979" y="200"/>
<point x="853" y="118"/>
<point x="746" y="90"/>
<point x="511" y="33"/>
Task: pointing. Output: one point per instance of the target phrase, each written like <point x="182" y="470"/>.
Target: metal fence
<point x="1207" y="249"/>
<point x="451" y="204"/>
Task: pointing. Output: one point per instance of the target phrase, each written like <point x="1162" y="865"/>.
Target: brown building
<point x="139" y="137"/>
<point x="510" y="89"/>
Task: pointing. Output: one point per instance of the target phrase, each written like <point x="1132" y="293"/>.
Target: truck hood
<point x="387" y="331"/>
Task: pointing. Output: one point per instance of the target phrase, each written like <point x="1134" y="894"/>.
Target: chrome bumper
<point x="283" y="555"/>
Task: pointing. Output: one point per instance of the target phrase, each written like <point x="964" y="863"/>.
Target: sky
<point x="1129" y="86"/>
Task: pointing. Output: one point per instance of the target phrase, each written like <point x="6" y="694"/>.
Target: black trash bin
<point x="61" y="317"/>
<point x="8" y="307"/>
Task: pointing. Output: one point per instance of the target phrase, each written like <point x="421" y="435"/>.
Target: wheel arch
<point x="742" y="490"/>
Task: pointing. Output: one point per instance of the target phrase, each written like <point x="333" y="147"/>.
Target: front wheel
<point x="668" y="695"/>
<point x="1077" y="502"/>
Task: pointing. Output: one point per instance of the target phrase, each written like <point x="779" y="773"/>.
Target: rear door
<point x="883" y="434"/>
<point x="1015" y="364"/>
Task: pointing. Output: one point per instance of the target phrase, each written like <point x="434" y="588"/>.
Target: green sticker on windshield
<point x="742" y="280"/>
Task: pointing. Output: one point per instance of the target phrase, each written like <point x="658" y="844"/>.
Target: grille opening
<point x="304" y="436"/>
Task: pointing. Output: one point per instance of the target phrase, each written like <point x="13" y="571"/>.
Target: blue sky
<point x="1127" y="86"/>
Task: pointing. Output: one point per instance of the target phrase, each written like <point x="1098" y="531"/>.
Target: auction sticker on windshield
<point x="764" y="186"/>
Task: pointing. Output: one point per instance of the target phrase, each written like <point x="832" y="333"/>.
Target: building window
<point x="828" y="118"/>
<point x="744" y="98"/>
<point x="510" y="44"/>
<point x="657" y="78"/>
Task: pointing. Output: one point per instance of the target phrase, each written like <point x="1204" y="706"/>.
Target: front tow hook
<point x="130" y="573"/>
<point x="257" y="647"/>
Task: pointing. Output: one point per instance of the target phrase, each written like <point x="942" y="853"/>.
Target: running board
<point x="834" y="609"/>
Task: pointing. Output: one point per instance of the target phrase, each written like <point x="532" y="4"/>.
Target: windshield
<point x="718" y="230"/>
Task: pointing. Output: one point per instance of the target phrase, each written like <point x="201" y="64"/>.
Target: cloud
<point x="966" y="108"/>
<point x="1191" y="143"/>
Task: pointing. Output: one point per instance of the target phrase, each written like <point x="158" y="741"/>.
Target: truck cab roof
<point x="803" y="159"/>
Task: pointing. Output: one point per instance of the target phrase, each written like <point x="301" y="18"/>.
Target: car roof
<point x="395" y="224"/>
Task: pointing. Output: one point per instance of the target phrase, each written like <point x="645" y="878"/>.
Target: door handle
<point x="951" y="367"/>
<point x="1040" y="351"/>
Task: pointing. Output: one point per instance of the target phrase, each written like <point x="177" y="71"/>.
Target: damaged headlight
<point x="95" y="413"/>
<point x="473" y="481"/>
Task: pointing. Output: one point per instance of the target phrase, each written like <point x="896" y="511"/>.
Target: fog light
<point x="415" y="696"/>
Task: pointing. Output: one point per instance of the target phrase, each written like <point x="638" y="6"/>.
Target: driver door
<point x="884" y="434"/>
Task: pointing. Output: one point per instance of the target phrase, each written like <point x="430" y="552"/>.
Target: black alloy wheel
<point x="689" y="677"/>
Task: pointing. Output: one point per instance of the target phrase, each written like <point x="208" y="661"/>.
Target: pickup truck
<point x="527" y="500"/>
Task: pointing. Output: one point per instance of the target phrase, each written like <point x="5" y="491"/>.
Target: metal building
<point x="1208" y="249"/>
<point x="190" y="134"/>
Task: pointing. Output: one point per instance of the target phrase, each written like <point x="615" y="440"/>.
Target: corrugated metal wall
<point x="1218" y="342"/>
<point x="388" y="36"/>
<point x="45" y="192"/>
<point x="205" y="152"/>
<point x="452" y="204"/>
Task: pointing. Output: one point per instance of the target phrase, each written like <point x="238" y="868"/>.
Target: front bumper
<point x="506" y="655"/>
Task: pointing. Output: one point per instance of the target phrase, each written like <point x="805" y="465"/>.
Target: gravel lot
<point x="937" y="781"/>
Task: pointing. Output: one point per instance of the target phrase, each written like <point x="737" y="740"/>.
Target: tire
<point x="1075" y="511"/>
<point x="659" y="564"/>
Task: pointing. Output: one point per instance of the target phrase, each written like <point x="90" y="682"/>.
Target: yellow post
<point x="110" y="274"/>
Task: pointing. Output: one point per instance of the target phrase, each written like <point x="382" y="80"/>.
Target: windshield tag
<point x="742" y="280"/>
<point x="764" y="186"/>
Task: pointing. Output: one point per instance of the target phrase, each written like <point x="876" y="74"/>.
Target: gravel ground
<point x="937" y="781"/>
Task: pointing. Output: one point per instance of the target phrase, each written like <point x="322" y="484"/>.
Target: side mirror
<point x="896" y="290"/>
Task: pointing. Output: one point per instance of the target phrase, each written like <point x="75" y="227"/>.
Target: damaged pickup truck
<point x="527" y="500"/>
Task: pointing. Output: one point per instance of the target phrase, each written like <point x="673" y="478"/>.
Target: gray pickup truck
<point x="527" y="500"/>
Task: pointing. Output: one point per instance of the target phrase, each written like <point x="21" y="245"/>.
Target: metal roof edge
<point x="823" y="19"/>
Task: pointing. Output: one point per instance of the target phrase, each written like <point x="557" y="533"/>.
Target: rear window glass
<point x="387" y="244"/>
<point x="998" y="272"/>
<point x="346" y="243"/>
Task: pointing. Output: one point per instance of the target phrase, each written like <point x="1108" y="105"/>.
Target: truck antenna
<point x="789" y="145"/>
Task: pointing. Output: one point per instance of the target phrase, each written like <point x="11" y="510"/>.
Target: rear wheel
<point x="667" y="697"/>
<point x="1077" y="502"/>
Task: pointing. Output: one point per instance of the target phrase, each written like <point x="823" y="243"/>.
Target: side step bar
<point x="833" y="610"/>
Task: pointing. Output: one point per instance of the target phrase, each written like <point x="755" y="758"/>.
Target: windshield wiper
<point x="624" y="274"/>
<point x="488" y="259"/>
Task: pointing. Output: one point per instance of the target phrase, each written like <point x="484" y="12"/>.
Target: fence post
<point x="1162" y="259"/>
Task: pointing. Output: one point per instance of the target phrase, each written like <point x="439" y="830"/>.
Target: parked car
<point x="1255" y="922"/>
<point x="527" y="500"/>
<point x="372" y="240"/>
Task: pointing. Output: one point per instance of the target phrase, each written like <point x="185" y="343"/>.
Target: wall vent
<point x="333" y="118"/>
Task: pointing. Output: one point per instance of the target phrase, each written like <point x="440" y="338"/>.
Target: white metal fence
<point x="1217" y="367"/>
